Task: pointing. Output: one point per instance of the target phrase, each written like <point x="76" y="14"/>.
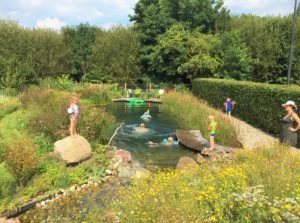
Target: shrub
<point x="8" y="184"/>
<point x="34" y="95"/>
<point x="50" y="116"/>
<point x="192" y="114"/>
<point x="22" y="161"/>
<point x="258" y="104"/>
<point x="95" y="124"/>
<point x="96" y="95"/>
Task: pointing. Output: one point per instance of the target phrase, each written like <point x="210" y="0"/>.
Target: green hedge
<point x="257" y="103"/>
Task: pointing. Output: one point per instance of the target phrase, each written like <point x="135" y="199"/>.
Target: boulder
<point x="187" y="162"/>
<point x="200" y="159"/>
<point x="133" y="172"/>
<point x="12" y="220"/>
<point x="123" y="156"/>
<point x="73" y="149"/>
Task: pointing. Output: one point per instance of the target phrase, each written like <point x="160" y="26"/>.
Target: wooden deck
<point x="192" y="139"/>
<point x="149" y="100"/>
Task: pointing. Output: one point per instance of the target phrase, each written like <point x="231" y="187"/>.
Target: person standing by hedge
<point x="229" y="105"/>
<point x="288" y="131"/>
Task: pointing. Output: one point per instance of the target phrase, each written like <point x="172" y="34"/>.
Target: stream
<point x="161" y="126"/>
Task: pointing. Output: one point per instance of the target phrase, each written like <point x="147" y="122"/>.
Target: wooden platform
<point x="192" y="139"/>
<point x="149" y="100"/>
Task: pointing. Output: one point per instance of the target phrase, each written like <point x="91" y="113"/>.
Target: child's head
<point x="170" y="140"/>
<point x="228" y="99"/>
<point x="211" y="118"/>
<point x="145" y="113"/>
<point x="142" y="125"/>
<point x="73" y="100"/>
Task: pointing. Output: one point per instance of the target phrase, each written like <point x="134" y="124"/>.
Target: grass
<point x="7" y="183"/>
<point x="257" y="186"/>
<point x="13" y="127"/>
<point x="192" y="114"/>
<point x="39" y="116"/>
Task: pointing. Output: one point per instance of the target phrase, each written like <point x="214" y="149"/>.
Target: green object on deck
<point x="136" y="101"/>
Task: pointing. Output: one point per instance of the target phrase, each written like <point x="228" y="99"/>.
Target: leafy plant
<point x="22" y="160"/>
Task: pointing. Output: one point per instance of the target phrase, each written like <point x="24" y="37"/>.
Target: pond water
<point x="161" y="126"/>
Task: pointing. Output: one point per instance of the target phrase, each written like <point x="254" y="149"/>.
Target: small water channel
<point x="161" y="126"/>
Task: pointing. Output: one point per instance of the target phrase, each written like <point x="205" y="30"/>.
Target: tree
<point x="153" y="18"/>
<point x="235" y="57"/>
<point x="80" y="40"/>
<point x="115" y="55"/>
<point x="170" y="52"/>
<point x="202" y="62"/>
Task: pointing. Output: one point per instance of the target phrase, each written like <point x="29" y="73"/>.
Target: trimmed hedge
<point x="258" y="104"/>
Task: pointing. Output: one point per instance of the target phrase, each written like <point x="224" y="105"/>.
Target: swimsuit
<point x="286" y="136"/>
<point x="213" y="127"/>
<point x="229" y="105"/>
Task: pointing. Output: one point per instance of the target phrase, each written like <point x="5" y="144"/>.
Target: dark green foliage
<point x="115" y="56"/>
<point x="258" y="104"/>
<point x="80" y="40"/>
<point x="153" y="18"/>
<point x="26" y="55"/>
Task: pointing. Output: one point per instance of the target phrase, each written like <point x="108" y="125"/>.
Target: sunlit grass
<point x="192" y="114"/>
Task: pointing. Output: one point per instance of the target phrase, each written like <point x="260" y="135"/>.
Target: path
<point x="249" y="136"/>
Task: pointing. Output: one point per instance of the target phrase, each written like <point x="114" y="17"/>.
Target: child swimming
<point x="141" y="128"/>
<point x="146" y="115"/>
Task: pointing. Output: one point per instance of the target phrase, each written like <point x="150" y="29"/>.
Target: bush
<point x="22" y="161"/>
<point x="95" y="124"/>
<point x="96" y="95"/>
<point x="50" y="115"/>
<point x="8" y="184"/>
<point x="258" y="104"/>
<point x="34" y="95"/>
<point x="192" y="114"/>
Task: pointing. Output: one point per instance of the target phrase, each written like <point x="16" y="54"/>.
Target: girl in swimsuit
<point x="73" y="111"/>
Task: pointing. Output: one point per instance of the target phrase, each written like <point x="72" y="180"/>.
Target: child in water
<point x="73" y="111"/>
<point x="142" y="128"/>
<point x="229" y="105"/>
<point x="212" y="128"/>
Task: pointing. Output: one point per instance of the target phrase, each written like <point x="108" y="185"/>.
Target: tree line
<point x="169" y="40"/>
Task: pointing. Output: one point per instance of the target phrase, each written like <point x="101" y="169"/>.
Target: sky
<point x="105" y="13"/>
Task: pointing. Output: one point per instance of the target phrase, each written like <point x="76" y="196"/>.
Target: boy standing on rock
<point x="212" y="128"/>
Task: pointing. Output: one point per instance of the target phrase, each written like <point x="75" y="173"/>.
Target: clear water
<point x="161" y="126"/>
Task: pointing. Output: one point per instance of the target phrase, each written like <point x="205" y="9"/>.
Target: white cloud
<point x="261" y="7"/>
<point x="51" y="23"/>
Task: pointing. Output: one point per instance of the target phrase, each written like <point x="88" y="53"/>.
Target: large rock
<point x="128" y="171"/>
<point x="12" y="220"/>
<point x="200" y="159"/>
<point x="123" y="156"/>
<point x="187" y="162"/>
<point x="73" y="149"/>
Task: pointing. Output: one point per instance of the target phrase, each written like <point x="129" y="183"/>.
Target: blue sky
<point x="106" y="13"/>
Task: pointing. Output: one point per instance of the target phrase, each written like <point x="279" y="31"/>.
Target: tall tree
<point x="115" y="56"/>
<point x="80" y="40"/>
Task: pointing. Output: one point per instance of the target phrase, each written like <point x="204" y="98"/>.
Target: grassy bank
<point x="260" y="185"/>
<point x="192" y="114"/>
<point x="29" y="126"/>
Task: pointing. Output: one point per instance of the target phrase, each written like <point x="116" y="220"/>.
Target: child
<point x="212" y="128"/>
<point x="229" y="105"/>
<point x="73" y="111"/>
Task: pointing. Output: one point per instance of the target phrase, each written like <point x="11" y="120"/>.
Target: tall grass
<point x="257" y="186"/>
<point x="192" y="114"/>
